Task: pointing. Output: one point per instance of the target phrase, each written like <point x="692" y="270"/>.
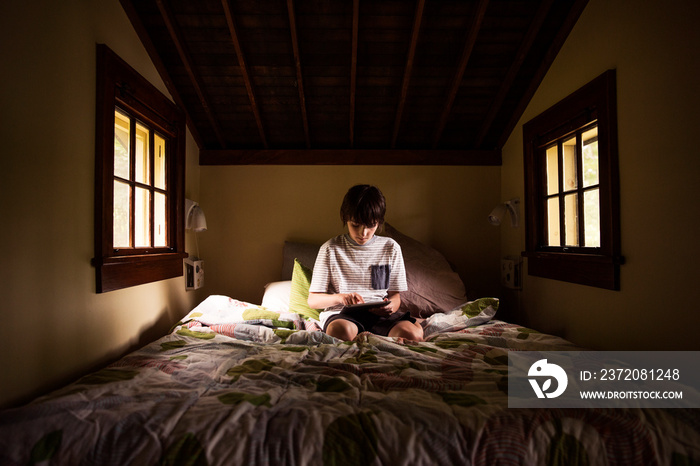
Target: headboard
<point x="305" y="252"/>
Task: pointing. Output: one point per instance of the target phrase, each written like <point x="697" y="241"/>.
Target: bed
<point x="236" y="382"/>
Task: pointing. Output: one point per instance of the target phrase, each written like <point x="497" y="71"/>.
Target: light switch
<point x="194" y="273"/>
<point x="510" y="272"/>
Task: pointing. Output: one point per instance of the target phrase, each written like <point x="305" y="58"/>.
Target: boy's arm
<point x="325" y="300"/>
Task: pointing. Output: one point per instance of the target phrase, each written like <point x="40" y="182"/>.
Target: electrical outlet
<point x="511" y="272"/>
<point x="194" y="273"/>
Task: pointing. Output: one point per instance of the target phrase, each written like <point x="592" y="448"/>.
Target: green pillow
<point x="299" y="296"/>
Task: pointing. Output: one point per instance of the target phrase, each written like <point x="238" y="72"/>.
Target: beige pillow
<point x="432" y="284"/>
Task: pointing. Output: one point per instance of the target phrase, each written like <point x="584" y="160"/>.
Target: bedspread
<point x="242" y="393"/>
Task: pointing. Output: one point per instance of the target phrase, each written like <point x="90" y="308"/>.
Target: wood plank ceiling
<point x="352" y="81"/>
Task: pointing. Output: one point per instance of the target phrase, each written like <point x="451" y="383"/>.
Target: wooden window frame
<point x="599" y="266"/>
<point x="120" y="86"/>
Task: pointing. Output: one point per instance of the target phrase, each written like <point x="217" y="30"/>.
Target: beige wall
<point x="654" y="47"/>
<point x="55" y="327"/>
<point x="252" y="210"/>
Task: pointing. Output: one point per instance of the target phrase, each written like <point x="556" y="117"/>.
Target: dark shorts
<point x="368" y="322"/>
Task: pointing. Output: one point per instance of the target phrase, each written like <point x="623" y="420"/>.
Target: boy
<point x="359" y="267"/>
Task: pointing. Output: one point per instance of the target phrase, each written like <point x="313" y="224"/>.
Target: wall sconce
<point x="194" y="265"/>
<point x="194" y="217"/>
<point x="512" y="206"/>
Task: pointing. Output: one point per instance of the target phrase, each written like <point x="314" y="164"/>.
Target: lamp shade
<point x="499" y="212"/>
<point x="194" y="217"/>
<point x="496" y="215"/>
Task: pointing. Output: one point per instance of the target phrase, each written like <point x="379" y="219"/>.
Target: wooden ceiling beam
<point x="353" y="67"/>
<point x="160" y="66"/>
<point x="472" y="35"/>
<point x="231" y="23"/>
<point x="512" y="73"/>
<point x="547" y="59"/>
<point x="297" y="62"/>
<point x="350" y="157"/>
<point x="417" y="19"/>
<point x="176" y="36"/>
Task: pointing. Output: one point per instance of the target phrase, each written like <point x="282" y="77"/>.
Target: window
<point x="572" y="188"/>
<point x="572" y="196"/>
<point x="140" y="193"/>
<point x="139" y="227"/>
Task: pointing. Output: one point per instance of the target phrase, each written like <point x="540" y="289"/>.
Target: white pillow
<point x="276" y="296"/>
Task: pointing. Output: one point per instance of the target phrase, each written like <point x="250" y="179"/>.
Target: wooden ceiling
<point x="352" y="81"/>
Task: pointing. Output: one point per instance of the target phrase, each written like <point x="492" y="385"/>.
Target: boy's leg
<point x="342" y="329"/>
<point x="407" y="330"/>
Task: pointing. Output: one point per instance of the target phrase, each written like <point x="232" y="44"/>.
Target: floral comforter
<point x="237" y="384"/>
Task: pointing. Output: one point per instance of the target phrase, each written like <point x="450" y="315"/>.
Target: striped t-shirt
<point x="372" y="269"/>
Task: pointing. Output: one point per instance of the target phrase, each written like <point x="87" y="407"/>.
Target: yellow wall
<point x="654" y="47"/>
<point x="54" y="326"/>
<point x="252" y="210"/>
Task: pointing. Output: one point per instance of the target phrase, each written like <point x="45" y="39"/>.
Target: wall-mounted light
<point x="194" y="217"/>
<point x="194" y="265"/>
<point x="499" y="212"/>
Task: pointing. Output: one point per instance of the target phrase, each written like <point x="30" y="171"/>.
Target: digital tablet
<point x="369" y="305"/>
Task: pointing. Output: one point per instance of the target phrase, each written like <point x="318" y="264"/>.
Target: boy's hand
<point x="385" y="310"/>
<point x="348" y="299"/>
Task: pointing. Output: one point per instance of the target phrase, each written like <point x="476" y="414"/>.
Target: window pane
<point x="159" y="162"/>
<point x="121" y="145"/>
<point x="160" y="237"/>
<point x="552" y="171"/>
<point x="141" y="152"/>
<point x="569" y="160"/>
<point x="590" y="157"/>
<point x="122" y="206"/>
<point x="553" y="236"/>
<point x="591" y="214"/>
<point x="571" y="219"/>
<point x="142" y="226"/>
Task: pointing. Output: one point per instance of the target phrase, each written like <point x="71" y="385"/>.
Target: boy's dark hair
<point x="363" y="204"/>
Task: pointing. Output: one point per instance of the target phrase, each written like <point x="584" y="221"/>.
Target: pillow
<point x="432" y="284"/>
<point x="299" y="294"/>
<point x="276" y="295"/>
